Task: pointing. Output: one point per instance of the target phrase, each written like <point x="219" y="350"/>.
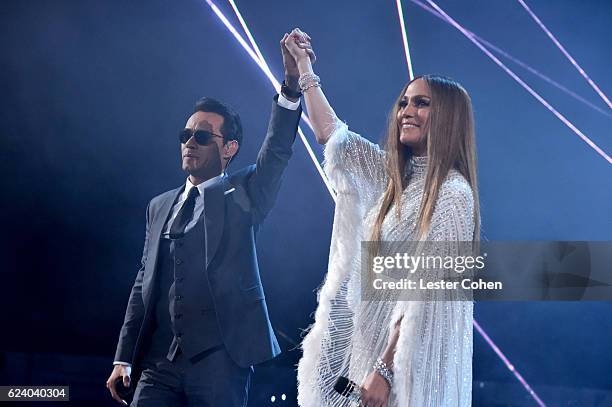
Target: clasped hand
<point x="296" y="47"/>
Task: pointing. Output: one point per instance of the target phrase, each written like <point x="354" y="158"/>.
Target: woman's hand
<point x="297" y="43"/>
<point x="375" y="391"/>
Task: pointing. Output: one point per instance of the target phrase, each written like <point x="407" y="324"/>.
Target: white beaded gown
<point x="433" y="358"/>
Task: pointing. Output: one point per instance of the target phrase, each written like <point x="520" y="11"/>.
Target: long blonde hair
<point x="450" y="144"/>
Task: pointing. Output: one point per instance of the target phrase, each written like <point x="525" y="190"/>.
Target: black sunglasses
<point x="202" y="137"/>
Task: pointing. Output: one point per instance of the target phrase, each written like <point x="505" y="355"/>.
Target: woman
<point x="421" y="187"/>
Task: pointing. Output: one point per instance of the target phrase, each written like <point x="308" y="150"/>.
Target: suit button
<point x="179" y="297"/>
<point x="179" y="279"/>
<point x="178" y="316"/>
<point x="179" y="261"/>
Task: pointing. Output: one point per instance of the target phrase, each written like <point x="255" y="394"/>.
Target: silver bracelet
<point x="384" y="371"/>
<point x="308" y="80"/>
<point x="311" y="85"/>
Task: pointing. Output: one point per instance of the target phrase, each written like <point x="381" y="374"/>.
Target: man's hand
<point x="119" y="371"/>
<point x="375" y="391"/>
<point x="291" y="69"/>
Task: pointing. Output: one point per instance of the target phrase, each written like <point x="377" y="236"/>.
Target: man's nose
<point x="191" y="143"/>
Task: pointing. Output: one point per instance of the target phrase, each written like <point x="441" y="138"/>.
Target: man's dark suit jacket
<point x="234" y="207"/>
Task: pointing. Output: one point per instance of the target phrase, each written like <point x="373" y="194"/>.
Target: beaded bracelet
<point x="384" y="371"/>
<point x="308" y="80"/>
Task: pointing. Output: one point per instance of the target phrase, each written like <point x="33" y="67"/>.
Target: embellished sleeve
<point x="354" y="165"/>
<point x="433" y="358"/>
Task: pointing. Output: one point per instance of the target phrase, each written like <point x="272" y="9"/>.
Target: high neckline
<point x="417" y="164"/>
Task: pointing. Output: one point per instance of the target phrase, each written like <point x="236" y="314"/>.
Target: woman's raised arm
<point x="321" y="114"/>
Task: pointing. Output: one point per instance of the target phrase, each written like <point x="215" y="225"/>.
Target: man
<point x="196" y="319"/>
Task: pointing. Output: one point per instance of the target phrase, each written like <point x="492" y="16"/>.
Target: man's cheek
<point x="213" y="153"/>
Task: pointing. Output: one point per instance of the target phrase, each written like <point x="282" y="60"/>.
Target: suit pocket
<point x="254" y="293"/>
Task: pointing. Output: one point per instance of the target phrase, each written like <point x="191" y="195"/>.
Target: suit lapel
<point x="214" y="216"/>
<point x="155" y="235"/>
<point x="162" y="217"/>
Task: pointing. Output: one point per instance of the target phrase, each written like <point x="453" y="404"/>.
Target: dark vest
<point x="184" y="310"/>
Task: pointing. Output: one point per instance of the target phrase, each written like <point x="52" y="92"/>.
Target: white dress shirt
<point x="197" y="209"/>
<point x="286" y="103"/>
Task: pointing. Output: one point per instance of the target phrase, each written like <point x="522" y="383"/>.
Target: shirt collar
<point x="202" y="186"/>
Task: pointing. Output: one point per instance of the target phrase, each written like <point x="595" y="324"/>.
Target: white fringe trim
<point x="347" y="223"/>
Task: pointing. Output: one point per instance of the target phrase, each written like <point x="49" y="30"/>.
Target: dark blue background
<point x="94" y="92"/>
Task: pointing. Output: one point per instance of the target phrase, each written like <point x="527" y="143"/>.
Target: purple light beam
<point x="517" y="61"/>
<point x="522" y="83"/>
<point x="567" y="54"/>
<point x="509" y="365"/>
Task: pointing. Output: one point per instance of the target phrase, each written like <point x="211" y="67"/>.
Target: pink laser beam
<point x="517" y="61"/>
<point x="522" y="83"/>
<point x="509" y="365"/>
<point x="567" y="54"/>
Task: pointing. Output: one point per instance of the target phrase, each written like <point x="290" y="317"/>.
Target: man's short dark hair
<point x="232" y="125"/>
